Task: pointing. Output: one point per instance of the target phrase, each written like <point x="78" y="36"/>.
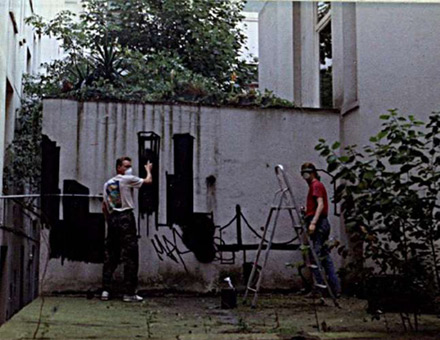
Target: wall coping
<point x="181" y="104"/>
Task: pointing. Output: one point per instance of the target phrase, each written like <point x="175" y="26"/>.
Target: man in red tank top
<point x="318" y="225"/>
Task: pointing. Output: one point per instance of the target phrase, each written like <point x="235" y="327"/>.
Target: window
<point x="9" y="128"/>
<point x="323" y="29"/>
<point x="28" y="61"/>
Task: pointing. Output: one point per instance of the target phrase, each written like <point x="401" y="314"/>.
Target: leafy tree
<point x="389" y="194"/>
<point x="204" y="34"/>
<point x="149" y="49"/>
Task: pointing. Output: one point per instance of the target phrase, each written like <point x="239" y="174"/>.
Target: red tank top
<point x="316" y="189"/>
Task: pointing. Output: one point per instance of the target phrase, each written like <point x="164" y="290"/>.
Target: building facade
<point x="360" y="58"/>
<point x="21" y="52"/>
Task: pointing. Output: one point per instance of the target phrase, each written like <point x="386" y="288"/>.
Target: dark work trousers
<point x="319" y="239"/>
<point x="121" y="246"/>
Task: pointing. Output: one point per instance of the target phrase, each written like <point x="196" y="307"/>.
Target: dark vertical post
<point x="238" y="216"/>
<point x="148" y="151"/>
<point x="183" y="186"/>
<point x="240" y="243"/>
<point x="50" y="168"/>
<point x="22" y="277"/>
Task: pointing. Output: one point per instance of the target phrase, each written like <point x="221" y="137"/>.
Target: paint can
<point x="228" y="298"/>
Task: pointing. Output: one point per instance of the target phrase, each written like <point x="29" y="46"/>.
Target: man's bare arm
<point x="105" y="210"/>
<point x="318" y="212"/>
<point x="149" y="178"/>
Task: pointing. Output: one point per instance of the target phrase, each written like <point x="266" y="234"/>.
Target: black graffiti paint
<point x="165" y="247"/>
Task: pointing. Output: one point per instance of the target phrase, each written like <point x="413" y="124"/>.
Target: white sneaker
<point x="132" y="298"/>
<point x="104" y="295"/>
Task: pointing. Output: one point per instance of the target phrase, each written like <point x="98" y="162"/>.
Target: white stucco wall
<point x="289" y="51"/>
<point x="276" y="64"/>
<point x="397" y="64"/>
<point x="309" y="51"/>
<point x="240" y="147"/>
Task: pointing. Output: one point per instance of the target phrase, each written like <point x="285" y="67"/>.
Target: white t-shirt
<point x="118" y="192"/>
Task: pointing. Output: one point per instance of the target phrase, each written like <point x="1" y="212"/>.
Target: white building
<point x="21" y="51"/>
<point x="384" y="56"/>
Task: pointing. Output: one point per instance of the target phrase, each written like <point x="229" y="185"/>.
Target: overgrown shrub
<point x="389" y="195"/>
<point x="151" y="50"/>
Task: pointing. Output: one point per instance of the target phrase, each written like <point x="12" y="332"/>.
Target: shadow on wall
<point x="80" y="235"/>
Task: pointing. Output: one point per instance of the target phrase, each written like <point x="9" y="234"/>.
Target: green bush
<point x="389" y="195"/>
<point x="151" y="50"/>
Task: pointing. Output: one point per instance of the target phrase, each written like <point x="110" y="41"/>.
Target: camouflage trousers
<point x="121" y="246"/>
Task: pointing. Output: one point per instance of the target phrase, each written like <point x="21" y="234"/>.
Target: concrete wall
<point x="276" y="65"/>
<point x="240" y="147"/>
<point x="396" y="63"/>
<point x="384" y="56"/>
<point x="19" y="259"/>
<point x="307" y="47"/>
<point x="345" y="57"/>
<point x="289" y="51"/>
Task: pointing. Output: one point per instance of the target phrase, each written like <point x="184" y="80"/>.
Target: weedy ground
<point x="184" y="317"/>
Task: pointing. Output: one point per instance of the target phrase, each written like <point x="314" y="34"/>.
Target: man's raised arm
<point x="149" y="178"/>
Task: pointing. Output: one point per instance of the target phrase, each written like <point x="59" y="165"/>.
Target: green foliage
<point x="204" y="34"/>
<point x="243" y="326"/>
<point x="151" y="50"/>
<point x="326" y="87"/>
<point x="23" y="155"/>
<point x="256" y="98"/>
<point x="389" y="194"/>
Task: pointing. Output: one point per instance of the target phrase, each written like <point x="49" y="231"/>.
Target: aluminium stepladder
<point x="285" y="201"/>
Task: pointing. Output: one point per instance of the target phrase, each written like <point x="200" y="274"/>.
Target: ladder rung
<point x="283" y="208"/>
<point x="252" y="289"/>
<point x="320" y="285"/>
<point x="313" y="266"/>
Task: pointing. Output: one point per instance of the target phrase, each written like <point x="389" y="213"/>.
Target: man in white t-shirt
<point x="121" y="244"/>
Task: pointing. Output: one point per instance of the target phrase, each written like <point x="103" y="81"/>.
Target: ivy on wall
<point x="22" y="170"/>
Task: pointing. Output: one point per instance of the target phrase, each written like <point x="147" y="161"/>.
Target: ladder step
<point x="320" y="285"/>
<point x="282" y="208"/>
<point x="252" y="289"/>
<point x="312" y="266"/>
